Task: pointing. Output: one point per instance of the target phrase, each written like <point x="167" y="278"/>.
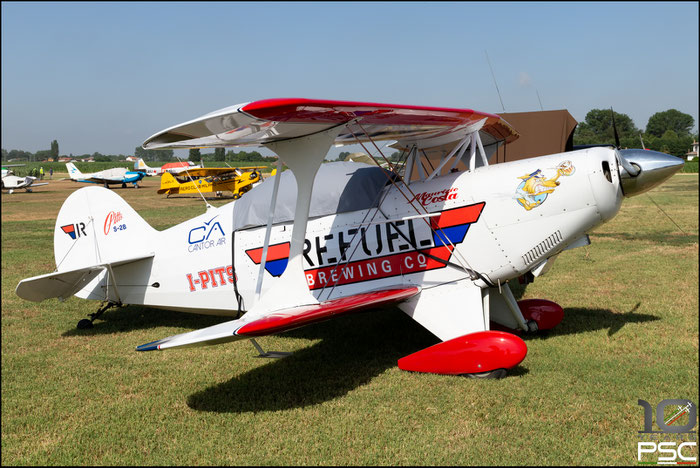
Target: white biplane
<point x="107" y="177"/>
<point x="11" y="182"/>
<point x="439" y="235"/>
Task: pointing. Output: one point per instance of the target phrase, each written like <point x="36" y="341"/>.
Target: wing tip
<point x="152" y="346"/>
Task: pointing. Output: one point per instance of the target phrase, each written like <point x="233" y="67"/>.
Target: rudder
<point x="96" y="226"/>
<point x="73" y="171"/>
<point x="168" y="182"/>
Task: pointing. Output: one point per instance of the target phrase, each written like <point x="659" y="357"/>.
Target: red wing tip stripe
<point x="276" y="103"/>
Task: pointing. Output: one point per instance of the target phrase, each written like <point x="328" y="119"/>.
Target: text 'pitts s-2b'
<point x="438" y="234"/>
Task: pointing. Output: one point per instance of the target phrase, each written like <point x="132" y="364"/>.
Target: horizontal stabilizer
<point x="65" y="283"/>
<point x="281" y="320"/>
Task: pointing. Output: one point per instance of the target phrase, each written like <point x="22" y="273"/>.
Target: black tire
<point x="494" y="374"/>
<point x="85" y="324"/>
<point x="236" y="196"/>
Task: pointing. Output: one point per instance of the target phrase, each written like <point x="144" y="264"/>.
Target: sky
<point x="103" y="77"/>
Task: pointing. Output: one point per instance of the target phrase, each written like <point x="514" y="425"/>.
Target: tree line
<point x="668" y="131"/>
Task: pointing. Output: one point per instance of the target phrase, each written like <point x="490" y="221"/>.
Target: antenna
<point x="494" y="80"/>
<point x="538" y="98"/>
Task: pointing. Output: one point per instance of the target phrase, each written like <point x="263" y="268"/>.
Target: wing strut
<point x="268" y="229"/>
<point x="439" y="232"/>
<point x="303" y="156"/>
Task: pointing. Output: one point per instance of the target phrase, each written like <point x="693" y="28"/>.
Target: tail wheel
<point x="236" y="195"/>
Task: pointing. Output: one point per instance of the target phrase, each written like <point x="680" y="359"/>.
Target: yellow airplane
<point x="211" y="179"/>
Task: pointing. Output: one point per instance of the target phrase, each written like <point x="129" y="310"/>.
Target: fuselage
<point x="502" y="220"/>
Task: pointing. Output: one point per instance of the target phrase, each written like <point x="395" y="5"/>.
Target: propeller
<point x="617" y="137"/>
<point x="632" y="170"/>
<point x="642" y="169"/>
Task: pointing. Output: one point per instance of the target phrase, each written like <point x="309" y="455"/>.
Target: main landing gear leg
<point x="268" y="354"/>
<point x="85" y="324"/>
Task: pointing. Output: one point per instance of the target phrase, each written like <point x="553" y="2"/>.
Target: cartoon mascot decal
<point x="535" y="187"/>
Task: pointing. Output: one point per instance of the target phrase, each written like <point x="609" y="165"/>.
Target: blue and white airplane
<point x="117" y="175"/>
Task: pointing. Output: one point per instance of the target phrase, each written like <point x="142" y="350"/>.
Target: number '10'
<point x="692" y="415"/>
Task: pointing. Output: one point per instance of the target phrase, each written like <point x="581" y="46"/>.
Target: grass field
<point x="86" y="397"/>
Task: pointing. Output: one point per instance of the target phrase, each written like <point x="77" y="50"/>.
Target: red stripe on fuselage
<point x="457" y="216"/>
<point x="274" y="252"/>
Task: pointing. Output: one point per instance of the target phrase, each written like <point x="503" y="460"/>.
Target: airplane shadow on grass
<point x="589" y="320"/>
<point x="351" y="352"/>
<point x="131" y="317"/>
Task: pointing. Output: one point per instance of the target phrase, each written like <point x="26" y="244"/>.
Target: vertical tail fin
<point x="95" y="226"/>
<point x="168" y="182"/>
<point x="73" y="171"/>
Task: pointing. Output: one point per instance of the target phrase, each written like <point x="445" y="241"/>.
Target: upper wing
<point x="266" y="121"/>
<point x="207" y="171"/>
<point x="282" y="320"/>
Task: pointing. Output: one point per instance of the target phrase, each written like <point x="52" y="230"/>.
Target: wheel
<point x="236" y="196"/>
<point x="29" y="190"/>
<point x="123" y="185"/>
<point x="494" y="374"/>
<point x="85" y="324"/>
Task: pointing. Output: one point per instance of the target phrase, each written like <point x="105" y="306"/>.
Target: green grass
<point x="690" y="167"/>
<point x="88" y="398"/>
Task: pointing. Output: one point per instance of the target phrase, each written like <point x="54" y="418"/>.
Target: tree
<point x="671" y="119"/>
<point x="219" y="154"/>
<point x="195" y="155"/>
<point x="42" y="155"/>
<point x="153" y="155"/>
<point x="597" y="128"/>
<point x="54" y="150"/>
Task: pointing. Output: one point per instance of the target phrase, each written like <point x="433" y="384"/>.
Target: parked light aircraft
<point x="11" y="182"/>
<point x="117" y="175"/>
<point x="322" y="240"/>
<point x="212" y="179"/>
<point x="173" y="168"/>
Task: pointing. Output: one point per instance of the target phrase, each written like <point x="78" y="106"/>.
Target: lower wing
<point x="282" y="320"/>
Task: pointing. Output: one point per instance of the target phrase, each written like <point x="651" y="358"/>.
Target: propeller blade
<point x="617" y="138"/>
